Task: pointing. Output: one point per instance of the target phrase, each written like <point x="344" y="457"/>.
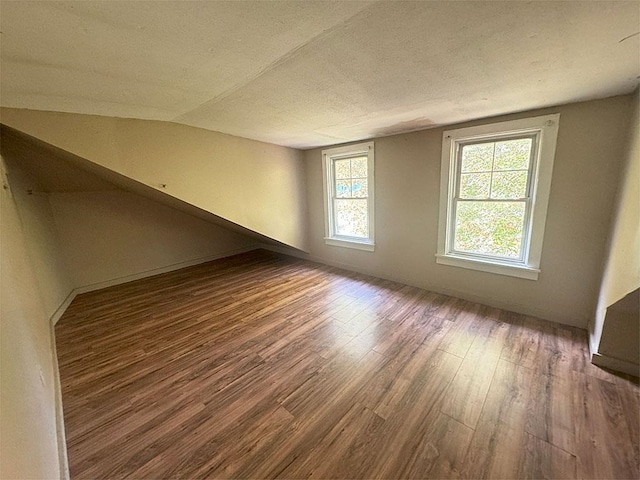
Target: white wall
<point x="28" y="438"/>
<point x="590" y="145"/>
<point x="113" y="236"/>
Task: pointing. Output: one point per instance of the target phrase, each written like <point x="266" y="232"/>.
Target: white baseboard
<point x="63" y="307"/>
<point x="292" y="252"/>
<point x="60" y="430"/>
<point x="137" y="276"/>
<point x="63" y="459"/>
<point x="160" y="270"/>
<point x="616" y="364"/>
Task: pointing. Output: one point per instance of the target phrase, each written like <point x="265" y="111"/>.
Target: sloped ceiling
<point x="58" y="171"/>
<point x="52" y="169"/>
<point x="311" y="73"/>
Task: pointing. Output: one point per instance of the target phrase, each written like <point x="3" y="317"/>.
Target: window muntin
<point x="350" y="191"/>
<point x="348" y="186"/>
<point x="495" y="185"/>
<point x="493" y="197"/>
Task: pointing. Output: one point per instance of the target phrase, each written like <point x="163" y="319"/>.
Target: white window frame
<point x="545" y="130"/>
<point x="328" y="157"/>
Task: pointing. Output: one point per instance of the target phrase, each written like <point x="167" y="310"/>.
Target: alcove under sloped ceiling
<point x="55" y="171"/>
<point x="249" y="187"/>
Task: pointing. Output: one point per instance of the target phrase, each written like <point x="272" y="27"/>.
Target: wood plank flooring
<point x="265" y="366"/>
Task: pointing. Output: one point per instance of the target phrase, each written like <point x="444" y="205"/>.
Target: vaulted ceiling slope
<point x="218" y="177"/>
<point x="53" y="170"/>
<point x="311" y="73"/>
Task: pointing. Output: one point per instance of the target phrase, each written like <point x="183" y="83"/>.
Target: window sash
<point x="527" y="199"/>
<point x="334" y="207"/>
<point x="485" y="256"/>
<point x="332" y="200"/>
<point x="335" y="223"/>
<point x="545" y="128"/>
<point x="335" y="179"/>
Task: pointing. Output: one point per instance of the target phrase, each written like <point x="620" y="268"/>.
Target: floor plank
<point x="602" y="432"/>
<point x="468" y="390"/>
<point x="265" y="366"/>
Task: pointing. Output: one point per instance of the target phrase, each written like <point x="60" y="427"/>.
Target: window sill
<point x="358" y="245"/>
<point x="520" y="271"/>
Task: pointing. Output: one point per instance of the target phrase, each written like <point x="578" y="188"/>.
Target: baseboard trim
<point x="616" y="364"/>
<point x="63" y="459"/>
<point x="292" y="252"/>
<point x="63" y="307"/>
<point x="61" y="437"/>
<point x="137" y="276"/>
<point x="432" y="288"/>
<point x="161" y="270"/>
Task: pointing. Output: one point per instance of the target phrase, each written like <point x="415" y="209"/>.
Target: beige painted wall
<point x="407" y="177"/>
<point x="54" y="280"/>
<point x="55" y="242"/>
<point x="618" y="333"/>
<point x="28" y="442"/>
<point x="619" y="347"/>
<point x="110" y="236"/>
<point x="257" y="185"/>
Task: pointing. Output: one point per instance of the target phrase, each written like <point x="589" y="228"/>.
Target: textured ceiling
<point x="310" y="73"/>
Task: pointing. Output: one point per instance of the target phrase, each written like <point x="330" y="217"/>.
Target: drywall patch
<point x="419" y="123"/>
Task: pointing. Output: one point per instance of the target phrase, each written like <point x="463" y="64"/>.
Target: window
<point x="495" y="185"/>
<point x="348" y="194"/>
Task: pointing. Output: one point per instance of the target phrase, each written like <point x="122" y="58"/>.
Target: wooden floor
<point x="264" y="366"/>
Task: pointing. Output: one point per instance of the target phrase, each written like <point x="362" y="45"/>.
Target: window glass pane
<point x="343" y="188"/>
<point x="359" y="188"/>
<point x="351" y="217"/>
<point x="490" y="228"/>
<point x="513" y="154"/>
<point x="475" y="185"/>
<point x="359" y="167"/>
<point x="511" y="185"/>
<point x="477" y="158"/>
<point x="342" y="168"/>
